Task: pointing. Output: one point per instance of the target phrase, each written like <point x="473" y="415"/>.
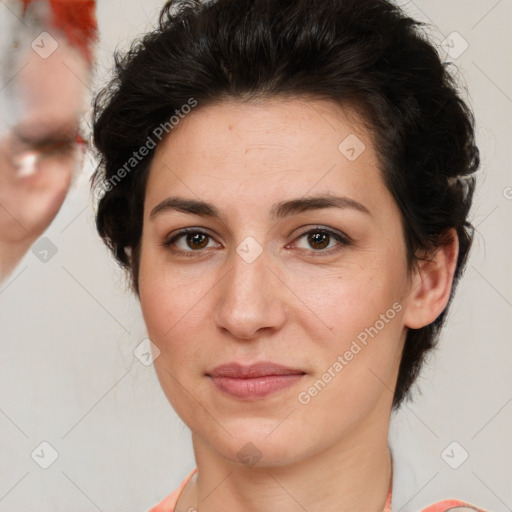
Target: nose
<point x="251" y="298"/>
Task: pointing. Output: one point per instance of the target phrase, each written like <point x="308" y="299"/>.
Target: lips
<point x="255" y="381"/>
<point x="262" y="369"/>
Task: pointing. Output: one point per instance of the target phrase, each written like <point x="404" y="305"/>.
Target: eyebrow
<point x="278" y="210"/>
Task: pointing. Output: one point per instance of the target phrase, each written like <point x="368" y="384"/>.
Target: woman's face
<point x="266" y="274"/>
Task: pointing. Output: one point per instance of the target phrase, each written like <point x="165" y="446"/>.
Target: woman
<point x="288" y="184"/>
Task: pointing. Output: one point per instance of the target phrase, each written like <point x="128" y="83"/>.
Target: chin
<point x="249" y="447"/>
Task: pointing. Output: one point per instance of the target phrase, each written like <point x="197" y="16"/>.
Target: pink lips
<point x="254" y="381"/>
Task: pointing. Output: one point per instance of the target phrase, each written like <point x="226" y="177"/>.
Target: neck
<point x="352" y="474"/>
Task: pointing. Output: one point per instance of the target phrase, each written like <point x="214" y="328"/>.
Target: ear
<point x="431" y="284"/>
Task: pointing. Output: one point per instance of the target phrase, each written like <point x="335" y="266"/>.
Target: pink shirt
<point x="168" y="504"/>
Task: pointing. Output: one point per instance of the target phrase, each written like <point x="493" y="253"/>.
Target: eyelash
<point x="343" y="240"/>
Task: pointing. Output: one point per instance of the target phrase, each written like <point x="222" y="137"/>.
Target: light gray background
<point x="68" y="328"/>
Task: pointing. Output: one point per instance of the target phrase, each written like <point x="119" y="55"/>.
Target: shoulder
<point x="169" y="502"/>
<point x="452" y="505"/>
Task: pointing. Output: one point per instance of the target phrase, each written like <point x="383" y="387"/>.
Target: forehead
<point x="45" y="96"/>
<point x="236" y="152"/>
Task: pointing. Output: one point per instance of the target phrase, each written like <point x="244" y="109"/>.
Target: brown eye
<point x="189" y="241"/>
<point x="318" y="240"/>
<point x="197" y="240"/>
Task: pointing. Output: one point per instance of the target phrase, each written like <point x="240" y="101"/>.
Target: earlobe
<point x="432" y="284"/>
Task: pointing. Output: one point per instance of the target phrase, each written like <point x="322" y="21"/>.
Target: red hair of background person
<point x="76" y="18"/>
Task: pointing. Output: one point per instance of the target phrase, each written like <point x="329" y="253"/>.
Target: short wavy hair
<point x="364" y="53"/>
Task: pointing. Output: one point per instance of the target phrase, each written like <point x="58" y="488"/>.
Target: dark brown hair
<point x="366" y="53"/>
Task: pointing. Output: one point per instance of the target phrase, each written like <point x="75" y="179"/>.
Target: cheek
<point x="348" y="299"/>
<point x="174" y="304"/>
<point x="358" y="359"/>
<point x="59" y="170"/>
<point x="171" y="314"/>
<point x="358" y="363"/>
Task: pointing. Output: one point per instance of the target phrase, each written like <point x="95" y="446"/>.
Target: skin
<point x="296" y="304"/>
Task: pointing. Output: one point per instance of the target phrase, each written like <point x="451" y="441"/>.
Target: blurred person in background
<point x="45" y="68"/>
